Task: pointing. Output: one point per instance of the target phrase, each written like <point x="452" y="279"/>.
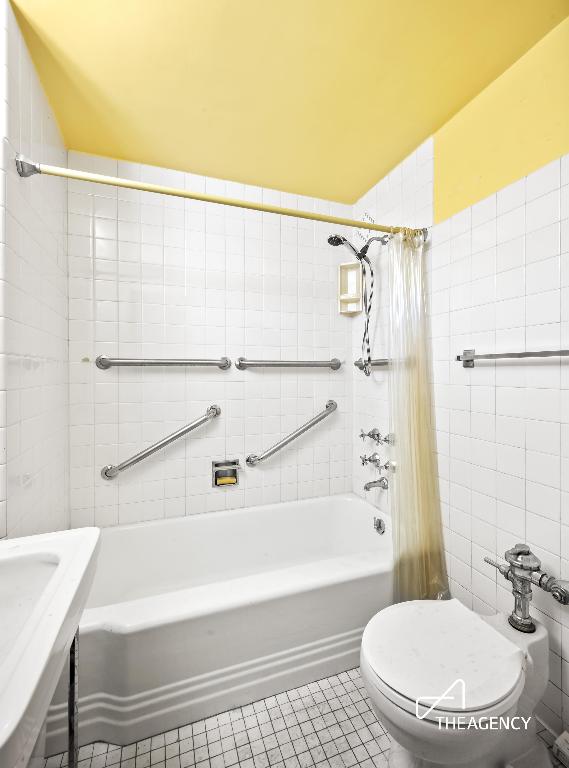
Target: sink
<point x="44" y="584"/>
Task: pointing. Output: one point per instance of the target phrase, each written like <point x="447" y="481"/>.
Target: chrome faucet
<point x="375" y="435"/>
<point x="382" y="483"/>
<point x="523" y="569"/>
<point x="373" y="459"/>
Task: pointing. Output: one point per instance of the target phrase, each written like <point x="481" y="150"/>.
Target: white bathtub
<point x="193" y="616"/>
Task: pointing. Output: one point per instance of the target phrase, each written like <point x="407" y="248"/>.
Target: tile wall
<point x="499" y="280"/>
<point x="34" y="455"/>
<point x="152" y="276"/>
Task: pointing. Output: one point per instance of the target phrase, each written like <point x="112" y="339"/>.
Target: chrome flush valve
<point x="523" y="569"/>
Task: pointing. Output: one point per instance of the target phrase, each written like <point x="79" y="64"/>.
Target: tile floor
<point x="327" y="724"/>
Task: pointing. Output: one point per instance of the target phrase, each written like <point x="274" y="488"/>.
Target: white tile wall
<point x="499" y="278"/>
<point x="153" y="276"/>
<point x="33" y="304"/>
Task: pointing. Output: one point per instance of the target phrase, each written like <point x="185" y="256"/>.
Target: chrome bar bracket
<point x="242" y="363"/>
<point x="254" y="459"/>
<point x="26" y="167"/>
<point x="374" y="363"/>
<point x="104" y="363"/>
<point x="112" y="470"/>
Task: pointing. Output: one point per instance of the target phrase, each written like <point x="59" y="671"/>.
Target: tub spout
<point x="382" y="483"/>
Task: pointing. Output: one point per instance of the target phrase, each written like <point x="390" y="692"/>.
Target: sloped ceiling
<point x="317" y="97"/>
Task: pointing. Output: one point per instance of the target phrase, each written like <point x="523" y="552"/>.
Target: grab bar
<point x="468" y="357"/>
<point x="242" y="363"/>
<point x="112" y="470"/>
<point x="253" y="459"/>
<point x="103" y="362"/>
<point x="374" y="363"/>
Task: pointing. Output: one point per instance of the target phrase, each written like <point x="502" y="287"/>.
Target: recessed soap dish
<point x="225" y="473"/>
<point x="350" y="288"/>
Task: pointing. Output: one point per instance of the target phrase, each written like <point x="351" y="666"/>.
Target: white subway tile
<point x="543" y="211"/>
<point x="543" y="180"/>
<point x="511" y="225"/>
<point x="543" y="243"/>
<point x="510" y="197"/>
<point x="543" y="532"/>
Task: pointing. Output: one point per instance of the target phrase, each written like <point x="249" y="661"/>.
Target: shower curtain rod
<point x="26" y="167"/>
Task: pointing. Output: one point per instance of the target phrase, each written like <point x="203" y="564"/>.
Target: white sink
<point x="44" y="584"/>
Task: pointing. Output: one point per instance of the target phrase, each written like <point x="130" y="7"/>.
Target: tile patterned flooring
<point x="326" y="724"/>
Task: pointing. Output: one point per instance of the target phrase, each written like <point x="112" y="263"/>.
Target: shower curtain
<point x="420" y="570"/>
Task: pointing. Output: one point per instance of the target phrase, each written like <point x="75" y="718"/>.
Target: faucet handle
<point x="373" y="434"/>
<point x="521" y="556"/>
<point x="373" y="458"/>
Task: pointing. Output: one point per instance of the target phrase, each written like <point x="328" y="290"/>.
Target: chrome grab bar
<point x="242" y="363"/>
<point x="374" y="363"/>
<point x="112" y="470"/>
<point x="103" y="362"/>
<point x="253" y="459"/>
<point x="468" y="356"/>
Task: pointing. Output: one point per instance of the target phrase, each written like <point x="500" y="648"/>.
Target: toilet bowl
<point x="454" y="688"/>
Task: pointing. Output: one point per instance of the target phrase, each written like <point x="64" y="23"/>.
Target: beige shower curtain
<point x="420" y="571"/>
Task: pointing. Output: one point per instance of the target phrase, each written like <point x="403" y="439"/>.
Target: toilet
<point x="454" y="688"/>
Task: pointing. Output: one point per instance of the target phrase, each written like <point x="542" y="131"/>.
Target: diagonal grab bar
<point x="112" y="470"/>
<point x="253" y="459"/>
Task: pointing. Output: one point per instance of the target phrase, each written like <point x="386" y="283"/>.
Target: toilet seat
<point x="422" y="650"/>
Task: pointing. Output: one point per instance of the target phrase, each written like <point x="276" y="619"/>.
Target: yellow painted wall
<point x="517" y="124"/>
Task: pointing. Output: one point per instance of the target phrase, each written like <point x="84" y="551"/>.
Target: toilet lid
<point x="420" y="649"/>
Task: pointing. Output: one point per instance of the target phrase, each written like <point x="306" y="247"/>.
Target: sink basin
<point x="44" y="584"/>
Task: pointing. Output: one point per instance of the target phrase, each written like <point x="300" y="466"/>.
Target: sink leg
<point x="72" y="704"/>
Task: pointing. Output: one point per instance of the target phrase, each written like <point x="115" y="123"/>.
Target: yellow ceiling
<point x="317" y="97"/>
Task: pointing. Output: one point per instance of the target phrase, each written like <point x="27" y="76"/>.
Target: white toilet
<point x="425" y="661"/>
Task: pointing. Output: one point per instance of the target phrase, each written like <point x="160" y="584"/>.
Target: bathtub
<point x="192" y="616"/>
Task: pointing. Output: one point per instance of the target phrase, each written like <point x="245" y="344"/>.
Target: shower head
<point x="362" y="254"/>
<point x="339" y="240"/>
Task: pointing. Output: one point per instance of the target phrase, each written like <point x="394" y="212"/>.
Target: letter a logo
<point x="455" y="694"/>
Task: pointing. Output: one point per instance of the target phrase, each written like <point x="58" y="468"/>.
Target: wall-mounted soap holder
<point x="350" y="288"/>
<point x="225" y="473"/>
